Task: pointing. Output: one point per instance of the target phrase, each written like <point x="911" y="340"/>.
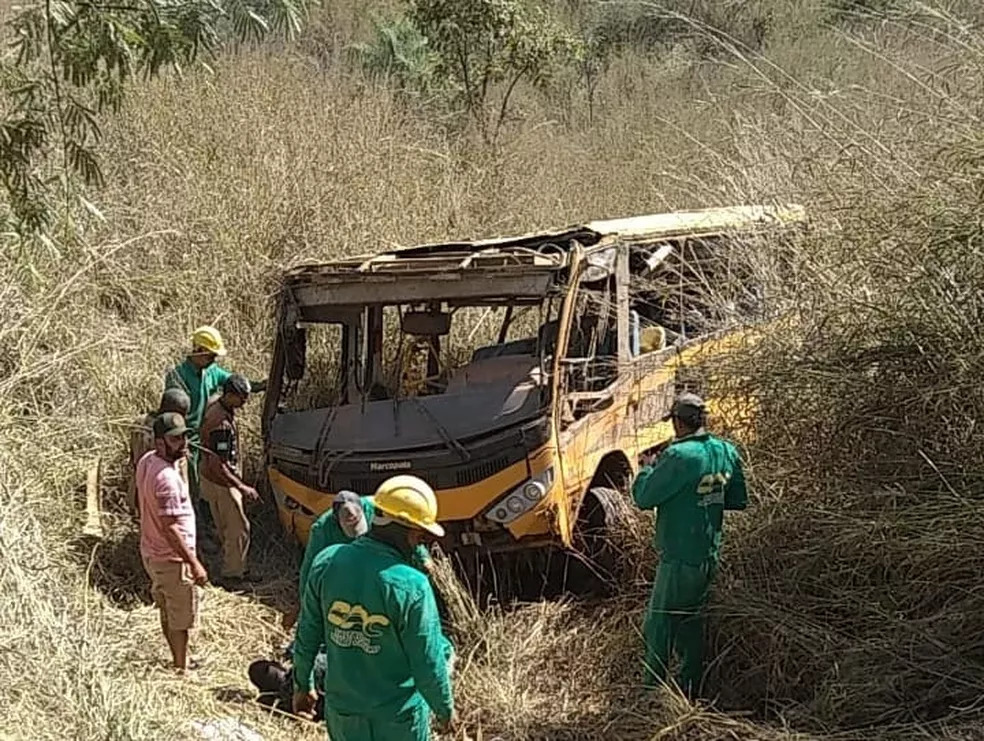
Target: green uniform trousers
<point x="413" y="725"/>
<point x="675" y="622"/>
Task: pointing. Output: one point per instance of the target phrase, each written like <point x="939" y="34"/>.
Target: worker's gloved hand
<point x="304" y="703"/>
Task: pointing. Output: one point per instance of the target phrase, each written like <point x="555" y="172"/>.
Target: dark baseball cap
<point x="170" y="424"/>
<point x="686" y="406"/>
<point x="237" y="384"/>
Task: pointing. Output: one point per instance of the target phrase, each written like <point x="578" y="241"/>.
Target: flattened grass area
<point x="849" y="600"/>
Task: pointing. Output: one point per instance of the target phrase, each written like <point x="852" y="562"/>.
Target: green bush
<point x="400" y="53"/>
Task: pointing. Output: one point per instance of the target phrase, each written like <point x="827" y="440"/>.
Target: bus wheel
<point x="596" y="565"/>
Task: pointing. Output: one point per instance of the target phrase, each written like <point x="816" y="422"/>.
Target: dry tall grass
<point x="849" y="599"/>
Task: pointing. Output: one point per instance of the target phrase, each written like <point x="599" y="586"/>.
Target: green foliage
<point x="72" y="60"/>
<point x="650" y="25"/>
<point x="592" y="61"/>
<point x="627" y="24"/>
<point x="484" y="44"/>
<point x="401" y="53"/>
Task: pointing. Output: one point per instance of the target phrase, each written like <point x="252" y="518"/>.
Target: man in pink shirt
<point x="167" y="534"/>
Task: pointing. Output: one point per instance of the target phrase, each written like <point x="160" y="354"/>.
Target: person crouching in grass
<point x="167" y="536"/>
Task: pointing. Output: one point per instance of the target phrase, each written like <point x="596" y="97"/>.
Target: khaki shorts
<point x="174" y="592"/>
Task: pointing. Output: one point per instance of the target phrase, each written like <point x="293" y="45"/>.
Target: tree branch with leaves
<point x="70" y="62"/>
<point x="487" y="47"/>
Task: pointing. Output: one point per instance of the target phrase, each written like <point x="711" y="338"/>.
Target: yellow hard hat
<point x="209" y="339"/>
<point x="410" y="500"/>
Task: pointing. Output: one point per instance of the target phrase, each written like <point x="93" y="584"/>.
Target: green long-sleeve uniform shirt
<point x="690" y="485"/>
<point x="200" y="386"/>
<point x="385" y="652"/>
<point x="326" y="532"/>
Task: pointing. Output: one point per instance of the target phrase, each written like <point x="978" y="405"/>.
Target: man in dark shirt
<point x="222" y="485"/>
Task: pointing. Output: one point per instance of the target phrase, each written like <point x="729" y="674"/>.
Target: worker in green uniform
<point x="697" y="477"/>
<point x="201" y="377"/>
<point x="387" y="660"/>
<point x="348" y="517"/>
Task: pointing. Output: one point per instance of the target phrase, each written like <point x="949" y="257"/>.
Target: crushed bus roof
<point x="697" y="223"/>
<point x="524" y="265"/>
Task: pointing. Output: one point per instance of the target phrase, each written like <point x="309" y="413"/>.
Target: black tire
<point x="604" y="523"/>
<point x="596" y="567"/>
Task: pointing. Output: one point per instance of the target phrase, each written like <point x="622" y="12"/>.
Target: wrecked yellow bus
<point x="521" y="377"/>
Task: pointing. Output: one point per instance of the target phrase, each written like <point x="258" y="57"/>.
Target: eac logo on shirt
<point x="346" y="616"/>
<point x="710" y="488"/>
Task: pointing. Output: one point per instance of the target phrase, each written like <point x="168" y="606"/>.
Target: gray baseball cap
<point x="688" y="407"/>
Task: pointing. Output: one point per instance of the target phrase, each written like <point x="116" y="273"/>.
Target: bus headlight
<point x="534" y="491"/>
<point x="522" y="499"/>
